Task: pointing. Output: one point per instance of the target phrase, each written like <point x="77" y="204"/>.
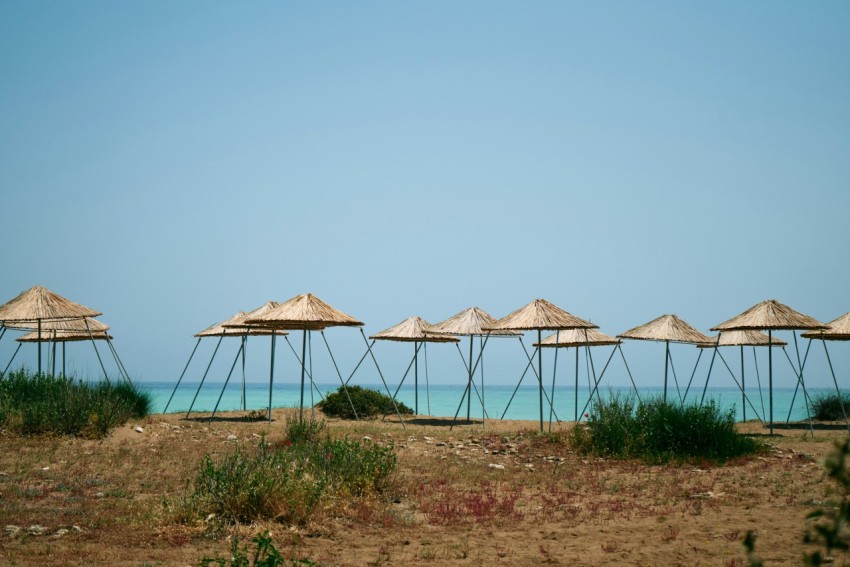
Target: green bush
<point x="287" y="480"/>
<point x="827" y="407"/>
<point x="658" y="431"/>
<point x="367" y="403"/>
<point x="34" y="404"/>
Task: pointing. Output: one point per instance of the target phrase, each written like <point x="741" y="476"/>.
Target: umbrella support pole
<point x="666" y="364"/>
<point x="271" y="371"/>
<point x="554" y="373"/>
<point x="758" y="380"/>
<point x="676" y="381"/>
<point x="303" y="368"/>
<point x="598" y="379"/>
<point x="708" y="376"/>
<point x="309" y="372"/>
<point x="481" y="343"/>
<point x="404" y="376"/>
<point x="797" y="385"/>
<point x="341" y="381"/>
<point x="576" y="389"/>
<point x="460" y="405"/>
<point x="178" y="380"/>
<point x="743" y="387"/>
<point x="121" y="370"/>
<point x="469" y="384"/>
<point x="530" y="365"/>
<point x="835" y="381"/>
<point x="14" y="354"/>
<point x="97" y="352"/>
<point x="688" y="388"/>
<point x="218" y="344"/>
<point x="381" y="374"/>
<point x="362" y="358"/>
<point x="770" y="375"/>
<point x="415" y="377"/>
<point x="227" y="380"/>
<point x="735" y="379"/>
<point x="427" y="385"/>
<point x="63" y="360"/>
<point x="244" y="401"/>
<point x="806" y="397"/>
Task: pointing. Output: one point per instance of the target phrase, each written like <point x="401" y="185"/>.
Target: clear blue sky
<point x="169" y="163"/>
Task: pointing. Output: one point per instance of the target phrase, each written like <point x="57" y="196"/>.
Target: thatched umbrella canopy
<point x="304" y="312"/>
<point x="417" y="331"/>
<point x="58" y="336"/>
<point x="84" y="325"/>
<point x="470" y="323"/>
<point x="234" y="327"/>
<point x="667" y="329"/>
<point x="39" y="304"/>
<point x="837" y="330"/>
<point x="740" y="339"/>
<point x="770" y="315"/>
<point x="540" y="315"/>
<point x="576" y="338"/>
<point x="413" y="330"/>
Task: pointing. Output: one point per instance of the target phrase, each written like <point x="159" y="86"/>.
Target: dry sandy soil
<point x="467" y="496"/>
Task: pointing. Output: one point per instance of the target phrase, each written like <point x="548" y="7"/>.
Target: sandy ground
<point x="470" y="495"/>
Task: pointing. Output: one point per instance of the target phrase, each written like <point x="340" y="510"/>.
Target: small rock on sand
<point x="138" y="429"/>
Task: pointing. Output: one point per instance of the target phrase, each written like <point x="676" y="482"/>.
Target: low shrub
<point x="367" y="403"/>
<point x="658" y="431"/>
<point x="828" y="407"/>
<point x="286" y="481"/>
<point x="34" y="404"/>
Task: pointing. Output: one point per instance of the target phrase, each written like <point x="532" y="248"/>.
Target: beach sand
<point x="471" y="495"/>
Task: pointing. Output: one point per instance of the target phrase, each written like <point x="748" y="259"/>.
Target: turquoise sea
<point x="444" y="400"/>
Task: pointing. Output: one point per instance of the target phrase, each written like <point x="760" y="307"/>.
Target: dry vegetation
<point x="470" y="496"/>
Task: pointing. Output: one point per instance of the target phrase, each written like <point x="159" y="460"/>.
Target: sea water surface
<point x="442" y="400"/>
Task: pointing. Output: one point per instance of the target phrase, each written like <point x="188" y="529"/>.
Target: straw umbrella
<point x="470" y="323"/>
<point x="233" y="326"/>
<point x="37" y="305"/>
<point x="540" y="315"/>
<point x="61" y="332"/>
<point x="667" y="329"/>
<point x="838" y="330"/>
<point x="576" y="338"/>
<point x="306" y="313"/>
<point x="739" y="339"/>
<point x="771" y="315"/>
<point x="417" y="331"/>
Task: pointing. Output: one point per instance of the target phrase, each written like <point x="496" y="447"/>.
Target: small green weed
<point x="265" y="555"/>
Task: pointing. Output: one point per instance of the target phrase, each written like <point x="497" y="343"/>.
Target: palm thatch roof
<point x="413" y="329"/>
<point x="306" y="312"/>
<point x="742" y="338"/>
<point x="233" y="327"/>
<point x="241" y="324"/>
<point x="40" y="304"/>
<point x="470" y="322"/>
<point x="578" y="338"/>
<point x="839" y="330"/>
<point x="84" y="325"/>
<point x="539" y="315"/>
<point x="772" y="315"/>
<point x="667" y="328"/>
<point x="64" y="336"/>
